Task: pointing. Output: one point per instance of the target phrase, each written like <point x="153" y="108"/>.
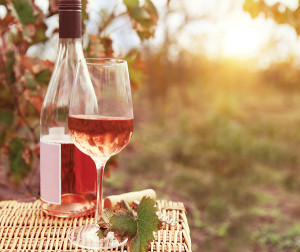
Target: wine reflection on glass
<point x="100" y="124"/>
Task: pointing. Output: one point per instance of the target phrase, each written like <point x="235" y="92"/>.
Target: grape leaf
<point x="24" y="11"/>
<point x="150" y="6"/>
<point x="124" y="207"/>
<point x="101" y="232"/>
<point x="131" y="3"/>
<point x="139" y="229"/>
<point x="137" y="69"/>
<point x="144" y="17"/>
<point x="6" y="118"/>
<point x="147" y="222"/>
<point x="273" y="10"/>
<point x="19" y="159"/>
<point x="124" y="224"/>
<point x="84" y="15"/>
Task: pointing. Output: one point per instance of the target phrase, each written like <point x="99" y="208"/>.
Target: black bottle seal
<point x="69" y="18"/>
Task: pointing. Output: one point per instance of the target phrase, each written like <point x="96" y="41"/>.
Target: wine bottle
<point x="67" y="176"/>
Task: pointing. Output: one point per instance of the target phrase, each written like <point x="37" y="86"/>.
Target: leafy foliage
<point x="147" y="223"/>
<point x="19" y="159"/>
<point x="138" y="228"/>
<point x="143" y="17"/>
<point x="124" y="224"/>
<point x="24" y="80"/>
<point x="280" y="13"/>
<point x="23" y="83"/>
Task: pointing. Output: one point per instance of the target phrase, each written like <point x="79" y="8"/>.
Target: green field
<point x="226" y="144"/>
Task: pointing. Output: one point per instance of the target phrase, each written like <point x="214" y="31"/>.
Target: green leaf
<point x="137" y="228"/>
<point x="3" y="135"/>
<point x="131" y="3"/>
<point x="24" y="11"/>
<point x="124" y="224"/>
<point x="123" y="205"/>
<point x="40" y="34"/>
<point x="142" y="16"/>
<point x="44" y="76"/>
<point x="137" y="12"/>
<point x="6" y="118"/>
<point x="151" y="7"/>
<point x="101" y="233"/>
<point x="18" y="165"/>
<point x="136" y="73"/>
<point x="84" y="14"/>
<point x="148" y="223"/>
<point x="135" y="244"/>
<point x="272" y="10"/>
<point x="9" y="64"/>
<point x="6" y="98"/>
<point x="30" y="82"/>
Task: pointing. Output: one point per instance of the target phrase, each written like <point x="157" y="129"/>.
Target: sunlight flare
<point x="242" y="41"/>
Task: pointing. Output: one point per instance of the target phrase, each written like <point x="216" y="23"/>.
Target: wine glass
<point x="100" y="124"/>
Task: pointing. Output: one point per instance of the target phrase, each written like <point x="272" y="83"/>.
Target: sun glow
<point x="225" y="30"/>
<point x="240" y="42"/>
<point x="243" y="38"/>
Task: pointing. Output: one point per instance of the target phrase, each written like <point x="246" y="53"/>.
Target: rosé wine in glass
<point x="100" y="124"/>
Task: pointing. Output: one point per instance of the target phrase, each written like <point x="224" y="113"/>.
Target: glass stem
<point x="100" y="171"/>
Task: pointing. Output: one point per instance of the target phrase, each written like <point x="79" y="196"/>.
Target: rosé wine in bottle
<point x="68" y="176"/>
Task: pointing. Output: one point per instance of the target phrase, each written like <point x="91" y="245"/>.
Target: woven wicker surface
<point x="24" y="227"/>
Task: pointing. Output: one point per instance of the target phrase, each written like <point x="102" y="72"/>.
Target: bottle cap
<point x="69" y="5"/>
<point x="69" y="18"/>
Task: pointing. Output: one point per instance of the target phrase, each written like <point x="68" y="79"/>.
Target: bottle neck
<point x="69" y="49"/>
<point x="69" y="24"/>
<point x="56" y="102"/>
<point x="70" y="46"/>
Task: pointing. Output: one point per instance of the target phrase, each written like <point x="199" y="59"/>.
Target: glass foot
<point x="86" y="237"/>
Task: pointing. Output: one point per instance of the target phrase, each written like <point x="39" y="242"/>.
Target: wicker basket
<point x="24" y="227"/>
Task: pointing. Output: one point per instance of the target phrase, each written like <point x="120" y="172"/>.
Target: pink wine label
<point x="50" y="172"/>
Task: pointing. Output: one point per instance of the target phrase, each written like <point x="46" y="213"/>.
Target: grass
<point x="228" y="148"/>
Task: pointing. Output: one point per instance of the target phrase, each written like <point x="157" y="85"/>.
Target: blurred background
<point x="216" y="88"/>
